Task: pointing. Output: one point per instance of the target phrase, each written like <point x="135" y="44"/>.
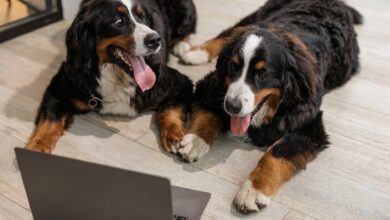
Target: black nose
<point x="152" y="41"/>
<point x="233" y="106"/>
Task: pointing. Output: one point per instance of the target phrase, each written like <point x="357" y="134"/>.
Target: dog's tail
<point x="357" y="17"/>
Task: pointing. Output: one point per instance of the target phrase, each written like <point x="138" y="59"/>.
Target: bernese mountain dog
<point x="273" y="69"/>
<point x="116" y="63"/>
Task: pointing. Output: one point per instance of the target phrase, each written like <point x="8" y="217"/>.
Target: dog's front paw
<point x="180" y="48"/>
<point x="171" y="138"/>
<point x="40" y="145"/>
<point x="195" y="56"/>
<point x="193" y="148"/>
<point x="249" y="199"/>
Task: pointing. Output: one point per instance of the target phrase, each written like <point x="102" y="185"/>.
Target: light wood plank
<point x="11" y="211"/>
<point x="11" y="186"/>
<point x="295" y="215"/>
<point x="357" y="122"/>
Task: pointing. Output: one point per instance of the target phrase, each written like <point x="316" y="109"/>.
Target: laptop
<point x="66" y="189"/>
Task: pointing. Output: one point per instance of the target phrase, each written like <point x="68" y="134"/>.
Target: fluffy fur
<point x="95" y="77"/>
<point x="273" y="69"/>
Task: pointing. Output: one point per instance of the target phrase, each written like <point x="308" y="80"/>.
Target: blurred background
<point x="20" y="16"/>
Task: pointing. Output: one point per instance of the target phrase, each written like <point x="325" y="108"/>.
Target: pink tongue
<point x="143" y="74"/>
<point x="239" y="125"/>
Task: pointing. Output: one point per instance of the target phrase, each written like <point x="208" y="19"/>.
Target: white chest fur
<point x="258" y="118"/>
<point x="116" y="89"/>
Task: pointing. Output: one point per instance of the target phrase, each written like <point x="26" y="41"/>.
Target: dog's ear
<point x="299" y="77"/>
<point x="81" y="42"/>
<point x="224" y="59"/>
<point x="226" y="56"/>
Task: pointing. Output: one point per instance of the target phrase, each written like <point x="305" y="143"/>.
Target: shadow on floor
<point x="222" y="149"/>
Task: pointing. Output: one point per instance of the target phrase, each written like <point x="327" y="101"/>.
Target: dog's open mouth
<point x="240" y="124"/>
<point x="135" y="66"/>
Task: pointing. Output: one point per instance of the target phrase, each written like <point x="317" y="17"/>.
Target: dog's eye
<point x="142" y="17"/>
<point x="261" y="72"/>
<point x="235" y="66"/>
<point x="119" y="22"/>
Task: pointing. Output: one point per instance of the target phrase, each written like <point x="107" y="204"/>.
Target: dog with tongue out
<point x="273" y="69"/>
<point x="116" y="64"/>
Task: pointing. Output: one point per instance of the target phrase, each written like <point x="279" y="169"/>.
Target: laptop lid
<point x="67" y="189"/>
<point x="188" y="204"/>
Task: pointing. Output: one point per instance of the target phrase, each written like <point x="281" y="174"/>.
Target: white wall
<point x="70" y="8"/>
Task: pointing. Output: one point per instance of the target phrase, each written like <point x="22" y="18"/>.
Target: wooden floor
<point x="349" y="180"/>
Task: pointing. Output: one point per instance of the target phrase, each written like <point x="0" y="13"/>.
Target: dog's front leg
<point x="205" y="127"/>
<point x="171" y="123"/>
<point x="285" y="157"/>
<point x="53" y="118"/>
<point x="264" y="181"/>
<point x="47" y="132"/>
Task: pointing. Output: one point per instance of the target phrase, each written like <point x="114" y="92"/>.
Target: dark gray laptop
<point x="66" y="189"/>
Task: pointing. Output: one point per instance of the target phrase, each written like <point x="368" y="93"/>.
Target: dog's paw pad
<point x="180" y="48"/>
<point x="249" y="199"/>
<point x="170" y="139"/>
<point x="195" y="56"/>
<point x="193" y="147"/>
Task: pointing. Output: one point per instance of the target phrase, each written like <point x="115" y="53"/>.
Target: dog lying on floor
<point x="273" y="69"/>
<point x="116" y="64"/>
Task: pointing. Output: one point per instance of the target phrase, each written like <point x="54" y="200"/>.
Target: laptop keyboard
<point x="179" y="217"/>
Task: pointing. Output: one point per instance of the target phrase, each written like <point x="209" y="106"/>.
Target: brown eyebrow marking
<point x="260" y="95"/>
<point x="236" y="59"/>
<point x="260" y="65"/>
<point x="122" y="9"/>
<point x="139" y="10"/>
<point x="227" y="81"/>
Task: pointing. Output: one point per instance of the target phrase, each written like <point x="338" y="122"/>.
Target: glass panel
<point x="20" y="16"/>
<point x="14" y="10"/>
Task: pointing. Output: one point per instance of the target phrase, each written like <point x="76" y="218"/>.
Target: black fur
<point x="310" y="48"/>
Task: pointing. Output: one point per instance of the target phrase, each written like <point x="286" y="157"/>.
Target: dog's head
<point x="261" y="69"/>
<point x="117" y="32"/>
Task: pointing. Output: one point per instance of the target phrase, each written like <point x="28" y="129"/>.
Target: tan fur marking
<point x="271" y="173"/>
<point x="139" y="10"/>
<point x="272" y="102"/>
<point x="46" y="135"/>
<point x="240" y="30"/>
<point x="122" y="9"/>
<point x="206" y="125"/>
<point x="236" y="59"/>
<point x="81" y="105"/>
<point x="121" y="75"/>
<point x="260" y="65"/>
<point x="260" y="95"/>
<point x="227" y="81"/>
<point x="172" y="126"/>
<point x="215" y="46"/>
<point x="122" y="41"/>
